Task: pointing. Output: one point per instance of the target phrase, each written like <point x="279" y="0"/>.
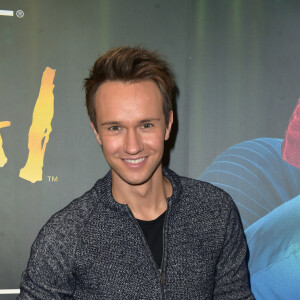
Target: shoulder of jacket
<point x="207" y="195"/>
<point x="70" y="220"/>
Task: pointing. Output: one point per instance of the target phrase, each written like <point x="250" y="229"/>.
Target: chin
<point x="136" y="178"/>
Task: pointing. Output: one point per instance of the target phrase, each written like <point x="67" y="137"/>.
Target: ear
<point x="96" y="134"/>
<point x="168" y="129"/>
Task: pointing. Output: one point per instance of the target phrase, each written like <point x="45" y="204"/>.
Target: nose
<point x="133" y="143"/>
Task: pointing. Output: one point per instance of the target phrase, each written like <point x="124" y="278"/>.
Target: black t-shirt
<point x="153" y="232"/>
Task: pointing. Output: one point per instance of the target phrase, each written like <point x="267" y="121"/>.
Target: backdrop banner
<point x="237" y="116"/>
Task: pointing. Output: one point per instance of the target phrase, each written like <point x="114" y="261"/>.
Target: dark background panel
<point x="236" y="64"/>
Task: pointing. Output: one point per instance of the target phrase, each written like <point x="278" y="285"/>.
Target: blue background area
<point x="274" y="245"/>
<point x="256" y="176"/>
<point x="266" y="191"/>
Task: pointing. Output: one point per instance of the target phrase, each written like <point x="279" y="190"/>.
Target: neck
<point x="147" y="201"/>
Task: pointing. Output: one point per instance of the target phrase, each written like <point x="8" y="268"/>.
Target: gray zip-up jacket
<point x="94" y="249"/>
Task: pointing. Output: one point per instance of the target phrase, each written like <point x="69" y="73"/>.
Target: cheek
<point x="155" y="142"/>
<point x="111" y="145"/>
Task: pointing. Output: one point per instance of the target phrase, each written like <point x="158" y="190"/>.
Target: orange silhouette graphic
<point x="3" y="158"/>
<point x="40" y="129"/>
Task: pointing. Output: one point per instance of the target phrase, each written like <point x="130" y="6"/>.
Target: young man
<point x="142" y="231"/>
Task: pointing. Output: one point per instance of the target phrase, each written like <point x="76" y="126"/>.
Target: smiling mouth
<point x="135" y="161"/>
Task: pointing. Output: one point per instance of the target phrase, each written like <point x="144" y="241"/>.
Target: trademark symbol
<point x="20" y="13"/>
<point x="52" y="178"/>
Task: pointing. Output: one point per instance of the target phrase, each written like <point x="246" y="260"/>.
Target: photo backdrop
<point x="237" y="66"/>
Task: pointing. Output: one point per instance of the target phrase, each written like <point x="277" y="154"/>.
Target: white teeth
<point x="135" y="161"/>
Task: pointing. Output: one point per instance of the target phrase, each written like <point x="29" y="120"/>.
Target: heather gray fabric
<point x="94" y="249"/>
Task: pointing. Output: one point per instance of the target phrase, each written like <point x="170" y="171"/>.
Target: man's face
<point x="131" y="129"/>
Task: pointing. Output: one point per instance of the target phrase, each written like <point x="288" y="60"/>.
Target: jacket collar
<point x="103" y="188"/>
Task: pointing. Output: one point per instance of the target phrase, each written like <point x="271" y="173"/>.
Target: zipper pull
<point x="162" y="277"/>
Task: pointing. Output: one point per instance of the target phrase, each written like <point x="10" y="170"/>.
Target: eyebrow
<point x="112" y="123"/>
<point x="149" y="120"/>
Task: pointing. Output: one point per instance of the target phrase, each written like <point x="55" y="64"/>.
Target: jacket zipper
<point x="160" y="272"/>
<point x="162" y="276"/>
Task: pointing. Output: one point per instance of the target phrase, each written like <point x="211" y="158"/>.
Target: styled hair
<point x="130" y="64"/>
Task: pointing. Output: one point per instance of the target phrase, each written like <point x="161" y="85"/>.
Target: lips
<point x="135" y="161"/>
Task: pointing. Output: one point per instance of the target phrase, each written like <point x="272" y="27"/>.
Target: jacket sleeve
<point x="232" y="278"/>
<point x="49" y="273"/>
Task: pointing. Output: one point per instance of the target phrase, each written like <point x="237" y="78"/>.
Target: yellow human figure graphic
<point x="40" y="129"/>
<point x="3" y="158"/>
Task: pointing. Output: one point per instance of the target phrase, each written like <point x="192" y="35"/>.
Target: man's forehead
<point x="133" y="92"/>
<point x="107" y="85"/>
<point x="118" y="101"/>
